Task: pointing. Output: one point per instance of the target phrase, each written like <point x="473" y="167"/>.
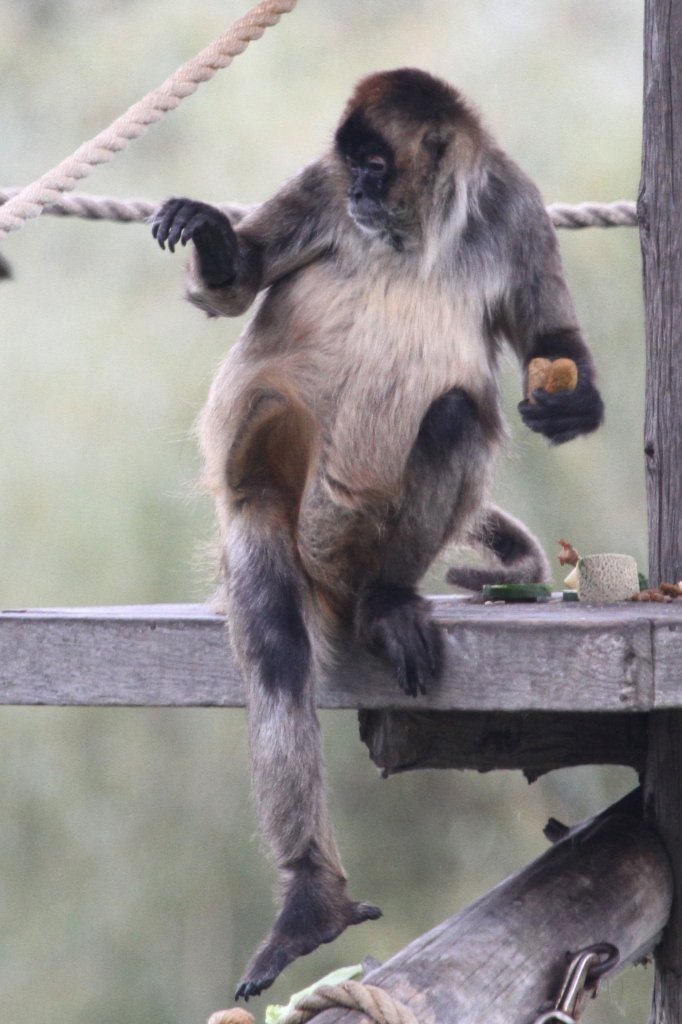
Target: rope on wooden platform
<point x="79" y="204"/>
<point x="31" y="201"/>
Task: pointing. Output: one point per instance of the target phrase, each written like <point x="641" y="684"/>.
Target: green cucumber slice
<point x="517" y="592"/>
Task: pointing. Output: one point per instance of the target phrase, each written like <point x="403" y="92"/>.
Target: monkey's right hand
<point x="184" y="220"/>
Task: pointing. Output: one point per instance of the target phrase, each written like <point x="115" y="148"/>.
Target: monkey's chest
<point x="402" y="347"/>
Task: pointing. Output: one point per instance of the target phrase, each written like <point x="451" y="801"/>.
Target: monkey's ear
<point x="5" y="269"/>
<point x="436" y="141"/>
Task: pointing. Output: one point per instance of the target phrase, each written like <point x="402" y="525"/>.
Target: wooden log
<point x="503" y="958"/>
<point x="555" y="657"/>
<point x="535" y="742"/>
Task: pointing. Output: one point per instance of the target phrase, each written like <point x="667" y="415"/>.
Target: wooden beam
<point x="552" y="657"/>
<point x="535" y="742"/>
<point x="500" y="960"/>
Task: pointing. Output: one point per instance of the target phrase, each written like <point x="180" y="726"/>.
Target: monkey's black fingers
<point x="184" y="215"/>
<point x="163" y="219"/>
<point x="564" y="415"/>
<point x="421" y="659"/>
<point x="247" y="989"/>
<point x="395" y="653"/>
<point x="197" y="224"/>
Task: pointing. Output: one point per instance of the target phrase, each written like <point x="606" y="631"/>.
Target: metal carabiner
<point x="583" y="973"/>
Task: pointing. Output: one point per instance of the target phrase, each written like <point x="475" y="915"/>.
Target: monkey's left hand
<point x="183" y="220"/>
<point x="565" y="414"/>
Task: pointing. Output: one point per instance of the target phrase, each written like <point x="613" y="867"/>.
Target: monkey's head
<point x="406" y="142"/>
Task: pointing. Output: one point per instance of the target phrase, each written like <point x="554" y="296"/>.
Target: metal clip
<point x="582" y="977"/>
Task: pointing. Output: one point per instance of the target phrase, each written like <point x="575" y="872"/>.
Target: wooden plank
<point x="535" y="742"/>
<point x="553" y="657"/>
<point x="503" y="957"/>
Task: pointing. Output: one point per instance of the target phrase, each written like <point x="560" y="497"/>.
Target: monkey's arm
<point x="542" y="322"/>
<point x="231" y="262"/>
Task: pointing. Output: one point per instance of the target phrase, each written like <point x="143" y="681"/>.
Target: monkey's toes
<point x="291" y="938"/>
<point x="395" y="624"/>
<point x="365" y="912"/>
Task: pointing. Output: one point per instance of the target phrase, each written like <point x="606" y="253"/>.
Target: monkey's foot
<point x="395" y="623"/>
<point x="309" y="918"/>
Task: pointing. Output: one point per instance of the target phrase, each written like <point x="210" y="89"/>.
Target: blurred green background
<point x="132" y="884"/>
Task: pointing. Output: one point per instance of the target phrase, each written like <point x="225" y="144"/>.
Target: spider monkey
<point x="351" y="430"/>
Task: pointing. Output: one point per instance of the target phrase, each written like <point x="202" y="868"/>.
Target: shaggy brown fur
<point x="350" y="432"/>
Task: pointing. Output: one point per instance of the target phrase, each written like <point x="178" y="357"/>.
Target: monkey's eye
<point x="376" y="164"/>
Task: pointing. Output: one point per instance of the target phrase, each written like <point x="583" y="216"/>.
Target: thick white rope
<point x="373" y="1002"/>
<point x="32" y="200"/>
<point x="79" y="204"/>
<point x="622" y="214"/>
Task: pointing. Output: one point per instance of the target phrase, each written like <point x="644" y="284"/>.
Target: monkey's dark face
<point x="370" y="168"/>
<point x="368" y="181"/>
<point x="377" y="195"/>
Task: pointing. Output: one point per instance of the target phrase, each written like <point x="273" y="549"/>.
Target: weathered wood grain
<point x="660" y="213"/>
<point x="553" y="657"/>
<point x="663" y="807"/>
<point x="535" y="742"/>
<point x="499" y="960"/>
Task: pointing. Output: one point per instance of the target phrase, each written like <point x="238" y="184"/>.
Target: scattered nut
<point x="652" y="594"/>
<point x="568" y="555"/>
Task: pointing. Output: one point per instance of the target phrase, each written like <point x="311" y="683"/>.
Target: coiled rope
<point x="80" y="204"/>
<point x="31" y="201"/>
<point x="373" y="1002"/>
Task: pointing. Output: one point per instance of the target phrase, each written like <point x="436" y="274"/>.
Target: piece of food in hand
<point x="551" y="376"/>
<point x="538" y="373"/>
<point x="563" y="376"/>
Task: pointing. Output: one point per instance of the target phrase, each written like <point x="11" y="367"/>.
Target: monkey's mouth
<point x="369" y="217"/>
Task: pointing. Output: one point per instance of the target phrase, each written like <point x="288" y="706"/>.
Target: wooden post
<point x="660" y="212"/>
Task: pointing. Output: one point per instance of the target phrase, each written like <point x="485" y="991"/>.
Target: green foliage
<point x="132" y="887"/>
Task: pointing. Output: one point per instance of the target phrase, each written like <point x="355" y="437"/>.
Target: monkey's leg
<point x="277" y="635"/>
<point x="445" y="482"/>
<point x="273" y="631"/>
